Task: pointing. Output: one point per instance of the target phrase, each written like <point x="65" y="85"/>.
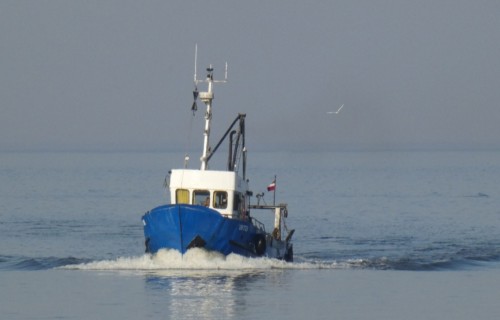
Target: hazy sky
<point x="118" y="74"/>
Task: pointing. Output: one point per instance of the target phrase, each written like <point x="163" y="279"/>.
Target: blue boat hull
<point x="182" y="227"/>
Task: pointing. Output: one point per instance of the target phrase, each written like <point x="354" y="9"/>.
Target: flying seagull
<point x="335" y="112"/>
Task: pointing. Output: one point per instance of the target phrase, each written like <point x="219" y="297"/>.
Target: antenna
<point x="225" y="76"/>
<point x="195" y="78"/>
<point x="195" y="60"/>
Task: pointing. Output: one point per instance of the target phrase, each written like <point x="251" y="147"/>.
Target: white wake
<point x="198" y="259"/>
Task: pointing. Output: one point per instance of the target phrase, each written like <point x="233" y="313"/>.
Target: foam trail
<point x="196" y="259"/>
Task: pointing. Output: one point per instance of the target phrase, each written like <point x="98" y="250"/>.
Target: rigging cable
<point x="187" y="147"/>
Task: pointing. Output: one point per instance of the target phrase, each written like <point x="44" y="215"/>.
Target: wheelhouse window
<point x="182" y="196"/>
<point x="201" y="197"/>
<point x="220" y="199"/>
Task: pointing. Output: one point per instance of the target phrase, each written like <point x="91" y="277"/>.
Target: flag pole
<point x="274" y="191"/>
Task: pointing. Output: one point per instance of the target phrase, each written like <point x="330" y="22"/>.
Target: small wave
<point x="457" y="261"/>
<point x="433" y="258"/>
<point x="37" y="263"/>
<point x="403" y="264"/>
<point x="478" y="195"/>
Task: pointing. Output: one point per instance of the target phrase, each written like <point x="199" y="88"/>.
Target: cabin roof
<point x="205" y="179"/>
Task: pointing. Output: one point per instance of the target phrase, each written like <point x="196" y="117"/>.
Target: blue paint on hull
<point x="177" y="226"/>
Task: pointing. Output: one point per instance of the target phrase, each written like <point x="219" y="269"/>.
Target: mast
<point x="207" y="97"/>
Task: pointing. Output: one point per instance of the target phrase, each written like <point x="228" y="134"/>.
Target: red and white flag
<point x="272" y="186"/>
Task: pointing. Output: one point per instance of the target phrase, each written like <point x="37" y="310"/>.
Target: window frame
<point x="223" y="196"/>
<point x="201" y="193"/>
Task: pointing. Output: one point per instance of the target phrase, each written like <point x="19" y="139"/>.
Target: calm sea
<point x="379" y="235"/>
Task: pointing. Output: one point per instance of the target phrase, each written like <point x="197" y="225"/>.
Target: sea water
<point x="379" y="235"/>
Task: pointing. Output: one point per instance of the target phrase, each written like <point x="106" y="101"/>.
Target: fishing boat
<point x="211" y="209"/>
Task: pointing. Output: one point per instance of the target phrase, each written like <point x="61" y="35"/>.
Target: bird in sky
<point x="335" y="112"/>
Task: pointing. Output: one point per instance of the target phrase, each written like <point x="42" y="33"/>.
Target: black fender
<point x="289" y="254"/>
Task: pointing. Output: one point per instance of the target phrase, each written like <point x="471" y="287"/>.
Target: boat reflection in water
<point x="207" y="294"/>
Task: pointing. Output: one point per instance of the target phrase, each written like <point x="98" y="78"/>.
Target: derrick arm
<point x="241" y="119"/>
